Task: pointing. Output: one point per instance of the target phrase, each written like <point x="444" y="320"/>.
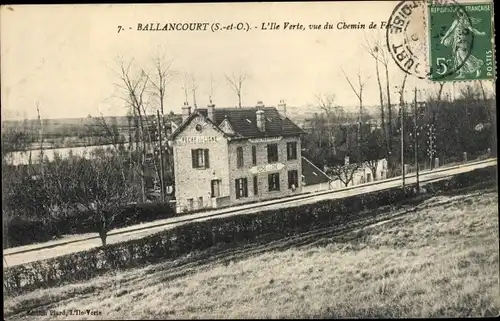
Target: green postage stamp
<point x="461" y="45"/>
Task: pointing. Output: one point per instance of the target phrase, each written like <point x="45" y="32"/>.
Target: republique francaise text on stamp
<point x="461" y="42"/>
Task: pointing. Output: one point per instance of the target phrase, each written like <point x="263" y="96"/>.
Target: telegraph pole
<point x="415" y="133"/>
<point x="402" y="119"/>
<point x="162" y="172"/>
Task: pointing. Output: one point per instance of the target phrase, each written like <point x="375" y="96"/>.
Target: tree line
<point x="110" y="178"/>
<point x="445" y="128"/>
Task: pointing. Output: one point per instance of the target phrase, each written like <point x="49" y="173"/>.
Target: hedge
<point x="172" y="243"/>
<point x="22" y="231"/>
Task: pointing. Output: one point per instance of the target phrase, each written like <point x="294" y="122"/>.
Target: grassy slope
<point x="437" y="261"/>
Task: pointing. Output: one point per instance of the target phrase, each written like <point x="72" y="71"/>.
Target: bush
<point x="24" y="231"/>
<point x="185" y="238"/>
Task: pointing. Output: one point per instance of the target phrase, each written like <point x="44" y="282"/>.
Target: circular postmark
<point x="409" y="40"/>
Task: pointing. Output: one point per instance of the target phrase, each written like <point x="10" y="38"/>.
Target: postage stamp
<point x="461" y="43"/>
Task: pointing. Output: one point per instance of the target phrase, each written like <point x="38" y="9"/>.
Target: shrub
<point x="24" y="231"/>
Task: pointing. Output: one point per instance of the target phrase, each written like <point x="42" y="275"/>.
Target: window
<point x="272" y="153"/>
<point x="190" y="204"/>
<point x="274" y="182"/>
<point x="291" y="150"/>
<point x="254" y="155"/>
<point x="199" y="158"/>
<point x="216" y="188"/>
<point x="241" y="186"/>
<point x="293" y="178"/>
<point x="239" y="157"/>
<point x="255" y="186"/>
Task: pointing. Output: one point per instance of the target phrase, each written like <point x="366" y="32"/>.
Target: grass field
<point x="439" y="260"/>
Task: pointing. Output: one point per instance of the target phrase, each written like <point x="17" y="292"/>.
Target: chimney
<point x="211" y="111"/>
<point x="186" y="111"/>
<point x="261" y="120"/>
<point x="260" y="104"/>
<point x="282" y="107"/>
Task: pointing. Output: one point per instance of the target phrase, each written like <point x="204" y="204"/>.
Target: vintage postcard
<point x="249" y="160"/>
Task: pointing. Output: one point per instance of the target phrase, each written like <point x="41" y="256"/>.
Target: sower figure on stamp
<point x="458" y="37"/>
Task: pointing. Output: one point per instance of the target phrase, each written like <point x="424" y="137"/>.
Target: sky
<point x="65" y="57"/>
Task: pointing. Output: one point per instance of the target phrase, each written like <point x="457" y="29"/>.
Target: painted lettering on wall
<point x="265" y="139"/>
<point x="267" y="168"/>
<point x="198" y="140"/>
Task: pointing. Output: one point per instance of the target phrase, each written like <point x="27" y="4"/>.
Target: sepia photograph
<point x="268" y="160"/>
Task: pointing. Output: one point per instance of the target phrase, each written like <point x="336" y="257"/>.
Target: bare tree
<point x="373" y="50"/>
<point x="160" y="79"/>
<point x="159" y="82"/>
<point x="101" y="128"/>
<point x="334" y="114"/>
<point x="109" y="132"/>
<point x="98" y="186"/>
<point x="436" y="100"/>
<point x="343" y="173"/>
<point x="327" y="104"/>
<point x="236" y="81"/>
<point x="379" y="52"/>
<point x="134" y="87"/>
<point x="358" y="91"/>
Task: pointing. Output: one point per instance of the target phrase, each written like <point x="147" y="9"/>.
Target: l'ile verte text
<point x="342" y="25"/>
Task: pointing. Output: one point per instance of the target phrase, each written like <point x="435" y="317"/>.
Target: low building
<point x="364" y="174"/>
<point x="313" y="178"/>
<point x="229" y="156"/>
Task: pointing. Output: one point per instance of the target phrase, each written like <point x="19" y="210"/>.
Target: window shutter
<point x="245" y="186"/>
<point x="237" y="188"/>
<point x="207" y="161"/>
<point x="290" y="179"/>
<point x="255" y="186"/>
<point x="194" y="160"/>
<point x="277" y="177"/>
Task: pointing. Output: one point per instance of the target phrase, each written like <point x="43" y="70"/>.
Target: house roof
<point x="194" y="114"/>
<point x="312" y="174"/>
<point x="243" y="121"/>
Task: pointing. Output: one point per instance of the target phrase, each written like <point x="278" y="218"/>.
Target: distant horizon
<point x="307" y="110"/>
